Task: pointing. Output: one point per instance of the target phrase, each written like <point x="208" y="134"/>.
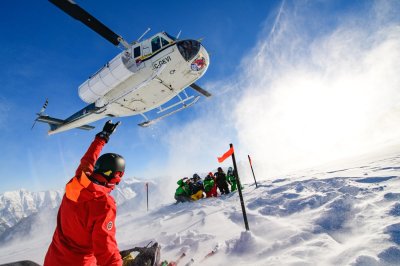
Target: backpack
<point x="148" y="256"/>
<point x="21" y="263"/>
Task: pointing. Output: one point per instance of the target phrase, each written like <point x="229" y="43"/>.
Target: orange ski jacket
<point x="85" y="232"/>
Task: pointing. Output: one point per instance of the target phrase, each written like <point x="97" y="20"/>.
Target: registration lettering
<point x="161" y="62"/>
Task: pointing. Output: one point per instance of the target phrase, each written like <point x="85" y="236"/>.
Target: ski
<point x="211" y="253"/>
<point x="173" y="263"/>
<point x="180" y="257"/>
<point x="190" y="262"/>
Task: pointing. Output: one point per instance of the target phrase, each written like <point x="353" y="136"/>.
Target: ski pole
<point x="251" y="166"/>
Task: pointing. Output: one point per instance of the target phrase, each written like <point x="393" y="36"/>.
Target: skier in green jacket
<point x="230" y="176"/>
<point x="210" y="187"/>
<point x="182" y="193"/>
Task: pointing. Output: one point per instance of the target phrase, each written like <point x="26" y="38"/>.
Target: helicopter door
<point x="137" y="53"/>
<point x="146" y="47"/>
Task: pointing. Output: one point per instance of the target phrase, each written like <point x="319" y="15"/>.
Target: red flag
<point x="226" y="155"/>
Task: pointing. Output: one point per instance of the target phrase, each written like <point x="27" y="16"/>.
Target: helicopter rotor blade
<point x="78" y="13"/>
<point x="200" y="90"/>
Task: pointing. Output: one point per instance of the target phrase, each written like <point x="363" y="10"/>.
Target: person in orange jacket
<point x="85" y="232"/>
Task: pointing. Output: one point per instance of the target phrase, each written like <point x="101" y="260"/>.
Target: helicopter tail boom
<point x="55" y="123"/>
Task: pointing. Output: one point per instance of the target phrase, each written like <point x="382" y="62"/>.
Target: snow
<point x="343" y="214"/>
<point x="20" y="204"/>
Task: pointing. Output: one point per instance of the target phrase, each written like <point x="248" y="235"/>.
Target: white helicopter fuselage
<point x="140" y="79"/>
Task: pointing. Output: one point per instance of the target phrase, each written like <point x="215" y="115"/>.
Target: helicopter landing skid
<point x="184" y="106"/>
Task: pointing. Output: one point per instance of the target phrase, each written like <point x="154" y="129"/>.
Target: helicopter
<point x="146" y="75"/>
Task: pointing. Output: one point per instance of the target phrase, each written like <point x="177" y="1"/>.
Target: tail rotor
<point x="41" y="112"/>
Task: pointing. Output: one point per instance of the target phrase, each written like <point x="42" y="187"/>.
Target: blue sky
<point x="47" y="54"/>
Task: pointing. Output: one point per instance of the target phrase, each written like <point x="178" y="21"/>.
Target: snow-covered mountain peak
<point x="19" y="205"/>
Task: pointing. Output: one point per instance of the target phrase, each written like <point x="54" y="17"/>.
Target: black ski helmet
<point x="109" y="164"/>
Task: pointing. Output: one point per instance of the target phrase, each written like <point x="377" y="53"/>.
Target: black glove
<point x="108" y="129"/>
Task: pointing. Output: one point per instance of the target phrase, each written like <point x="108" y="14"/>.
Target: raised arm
<point x="89" y="159"/>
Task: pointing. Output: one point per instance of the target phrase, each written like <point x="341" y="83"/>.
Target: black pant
<point x="223" y="188"/>
<point x="182" y="198"/>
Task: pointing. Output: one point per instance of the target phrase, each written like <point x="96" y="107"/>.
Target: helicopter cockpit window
<point x="155" y="44"/>
<point x="164" y="42"/>
<point x="136" y="52"/>
<point x="169" y="36"/>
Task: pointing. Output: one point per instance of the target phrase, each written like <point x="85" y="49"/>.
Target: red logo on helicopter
<point x="198" y="64"/>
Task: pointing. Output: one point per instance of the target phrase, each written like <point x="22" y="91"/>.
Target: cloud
<point x="315" y="96"/>
<point x="318" y="86"/>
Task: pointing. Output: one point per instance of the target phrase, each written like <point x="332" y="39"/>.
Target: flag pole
<point x="147" y="194"/>
<point x="251" y="166"/>
<point x="239" y="189"/>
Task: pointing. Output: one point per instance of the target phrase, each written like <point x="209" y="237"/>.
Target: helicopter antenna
<point x="141" y="36"/>
<point x="179" y="34"/>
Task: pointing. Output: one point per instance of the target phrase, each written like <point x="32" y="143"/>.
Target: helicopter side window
<point x="136" y="52"/>
<point x="155" y="44"/>
<point x="164" y="42"/>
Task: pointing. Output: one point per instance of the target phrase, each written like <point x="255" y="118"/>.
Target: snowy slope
<point x="347" y="215"/>
<point x="337" y="217"/>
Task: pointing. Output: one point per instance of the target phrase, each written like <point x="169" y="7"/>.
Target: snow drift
<point x="336" y="215"/>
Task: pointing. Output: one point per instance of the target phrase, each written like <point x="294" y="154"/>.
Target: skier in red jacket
<point x="85" y="232"/>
